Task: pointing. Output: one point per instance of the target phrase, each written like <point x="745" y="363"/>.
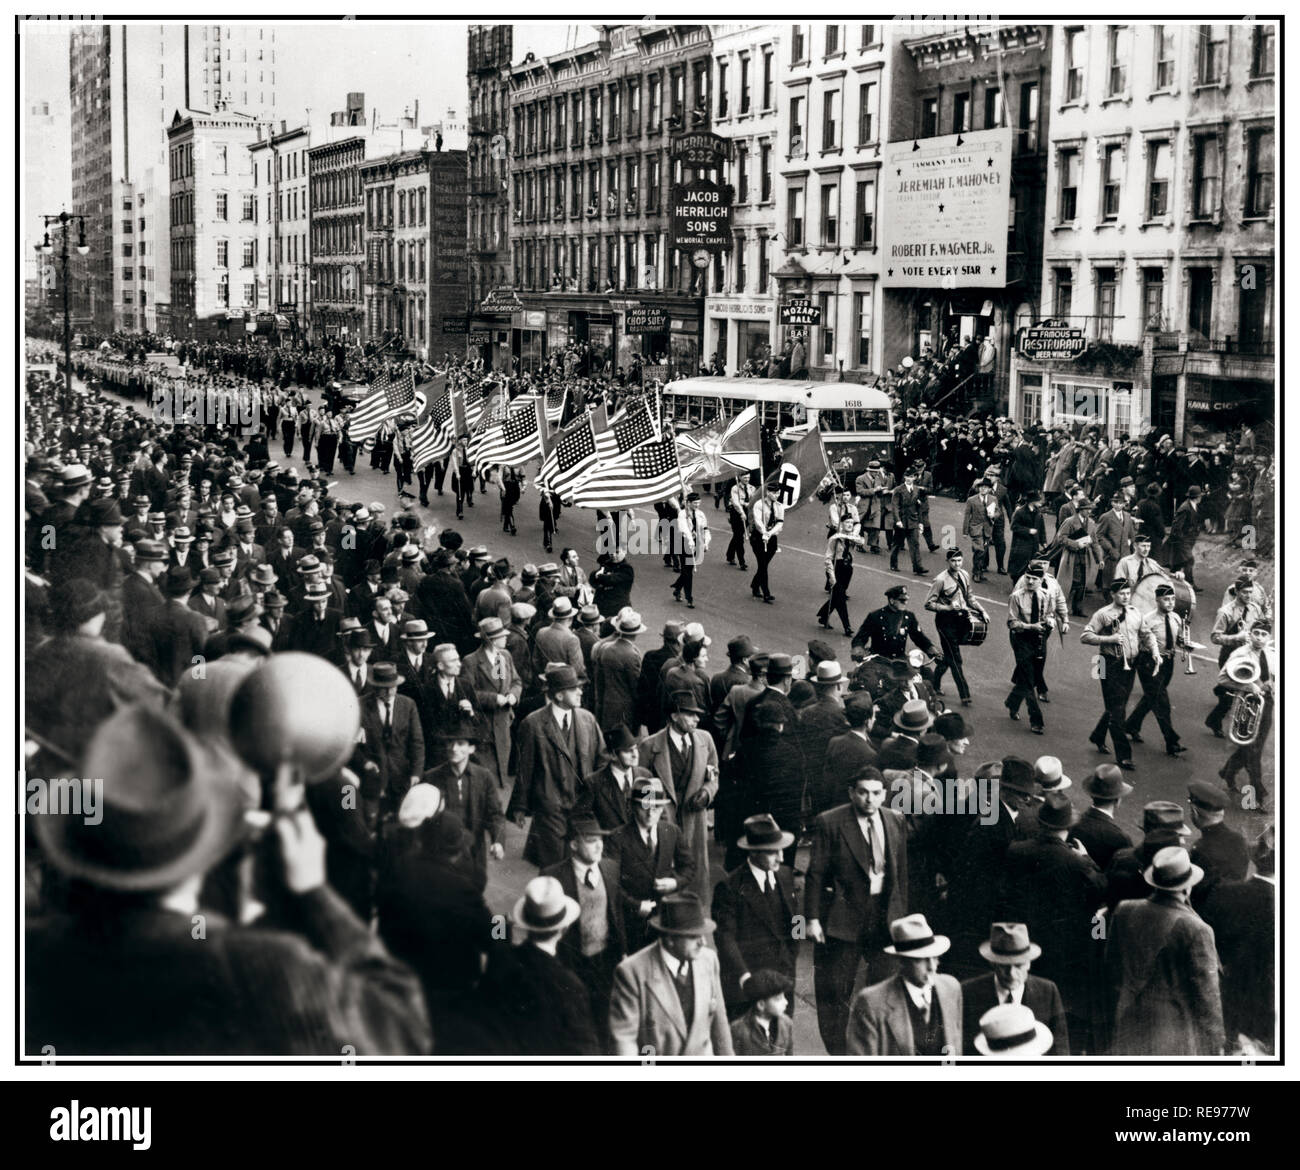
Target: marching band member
<point x="1233" y="622"/>
<point x="1139" y="563"/>
<point x="952" y="603"/>
<point x="1170" y="633"/>
<point x="1258" y="651"/>
<point x="1250" y="571"/>
<point x="1119" y="629"/>
<point x="1056" y="605"/>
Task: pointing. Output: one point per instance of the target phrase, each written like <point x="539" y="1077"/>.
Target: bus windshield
<point x="853" y="421"/>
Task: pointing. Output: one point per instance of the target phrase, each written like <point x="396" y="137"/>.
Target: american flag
<point x="514" y="441"/>
<point x="493" y="412"/>
<point x="643" y="475"/>
<point x="573" y="455"/>
<point x="435" y="437"/>
<point x="387" y="399"/>
<point x="627" y="429"/>
<point x="555" y="405"/>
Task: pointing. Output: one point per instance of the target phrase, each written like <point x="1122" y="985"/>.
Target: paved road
<point x="724" y="606"/>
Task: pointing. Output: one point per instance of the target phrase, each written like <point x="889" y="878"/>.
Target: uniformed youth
<point x="952" y="602"/>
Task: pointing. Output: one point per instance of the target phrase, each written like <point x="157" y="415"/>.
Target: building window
<point x="1117" y="46"/>
<point x="577" y="120"/>
<point x="1028" y="135"/>
<point x="768" y="65"/>
<point x="1254" y="316"/>
<point x="1063" y="293"/>
<point x="219" y="161"/>
<point x="794" y="225"/>
<point x="250" y="295"/>
<point x="796" y="127"/>
<point x="765" y="172"/>
<point x="992" y="107"/>
<point x="1259" y="173"/>
<point x="1069" y="169"/>
<point x="960" y="113"/>
<point x="742" y="173"/>
<point x="1262" y="49"/>
<point x="1075" y="50"/>
<point x="575" y="191"/>
<point x="864" y="214"/>
<point x="1206" y="167"/>
<point x="1112" y="173"/>
<point x="868" y="97"/>
<point x="1031" y="399"/>
<point x="250" y="208"/>
<point x="797" y="44"/>
<point x="830" y="214"/>
<point x="1212" y="53"/>
<point x="1200" y="302"/>
<point x="1106" y="293"/>
<point x="654" y="183"/>
<point x="830" y="126"/>
<point x="832" y="39"/>
<point x="221" y="205"/>
<point x="823" y="352"/>
<point x="223" y="253"/>
<point x="764" y="268"/>
<point x="1164" y="43"/>
<point x="744" y="83"/>
<point x="722" y="87"/>
<point x="868" y="36"/>
<point x="1158" y="160"/>
<point x="655" y="101"/>
<point x="862" y="321"/>
<point x="1153" y="298"/>
<point x="929" y="117"/>
<point x="223" y="292"/>
<point x="250" y="253"/>
<point x="738" y="252"/>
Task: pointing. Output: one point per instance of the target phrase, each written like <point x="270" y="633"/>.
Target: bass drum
<point x="1144" y="594"/>
<point x="977" y="629"/>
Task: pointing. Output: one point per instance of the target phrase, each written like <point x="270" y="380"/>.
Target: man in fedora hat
<point x="142" y="601"/>
<point x="547" y="1004"/>
<point x="917" y="1012"/>
<point x="557" y="746"/>
<point x="169" y="817"/>
<point x="315" y="629"/>
<point x="737" y="673"/>
<point x="416" y="666"/>
<point x="754" y="907"/>
<point x="470" y="791"/>
<point x="1009" y="954"/>
<point x="598" y="941"/>
<point x="686" y="762"/>
<point x="766" y="1028"/>
<point x="1162" y="967"/>
<point x="653" y="858"/>
<point x="1097" y="829"/>
<point x="857" y="883"/>
<point x="180" y="633"/>
<point x="1013" y="1030"/>
<point x="357" y="646"/>
<point x="1221" y="851"/>
<point x="774" y="698"/>
<point x="389" y="752"/>
<point x="206" y="600"/>
<point x="667" y="997"/>
<point x="607" y="792"/>
<point x="557" y="642"/>
<point x="616" y="669"/>
<point x="490" y="675"/>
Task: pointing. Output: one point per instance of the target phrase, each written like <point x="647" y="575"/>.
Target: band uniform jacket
<point x="750" y="1038"/>
<point x="1040" y="996"/>
<point x="881" y="1025"/>
<point x="639" y="868"/>
<point x="604" y="799"/>
<point x="645" y="1012"/>
<point x="838" y="889"/>
<point x="487" y="682"/>
<point x="569" y="951"/>
<point x="398" y="751"/>
<point x="1163" y="972"/>
<point x="1101" y="837"/>
<point x="754" y="930"/>
<point x="616" y="670"/>
<point x="550" y="775"/>
<point x="701" y="788"/>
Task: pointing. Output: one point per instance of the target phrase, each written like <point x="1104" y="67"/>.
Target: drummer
<point x="1140" y="563"/>
<point x="953" y="602"/>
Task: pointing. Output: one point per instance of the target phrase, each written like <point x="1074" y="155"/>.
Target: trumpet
<point x="1247" y="706"/>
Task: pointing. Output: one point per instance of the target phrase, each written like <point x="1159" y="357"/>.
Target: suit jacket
<point x="838" y="889"/>
<point x="750" y="1038"/>
<point x="881" y="1025"/>
<point x="645" y="1013"/>
<point x="1224" y="855"/>
<point x="440" y="712"/>
<point x="478" y="674"/>
<point x="1115" y="534"/>
<point x="720" y="685"/>
<point x="615" y="670"/>
<point x="548" y="1006"/>
<point x="476" y="801"/>
<point x="1186" y="527"/>
<point x="751" y="933"/>
<point x="213" y="608"/>
<point x="602" y="796"/>
<point x="1101" y="836"/>
<point x="701" y="788"/>
<point x="557" y="644"/>
<point x="1241" y="914"/>
<point x="569" y="951"/>
<point x="845" y="754"/>
<point x="1040" y="996"/>
<point x="142" y="602"/>
<point x="639" y="867"/>
<point x="907" y="506"/>
<point x="398" y="753"/>
<point x="179" y="635"/>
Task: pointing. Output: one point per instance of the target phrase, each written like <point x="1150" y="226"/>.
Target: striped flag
<point x="427" y="443"/>
<point x="722" y="448"/>
<point x="386" y="400"/>
<point x="492" y="417"/>
<point x="572" y="457"/>
<point x="627" y="429"/>
<point x="555" y="405"/>
<point x="516" y="440"/>
<point x="643" y="475"/>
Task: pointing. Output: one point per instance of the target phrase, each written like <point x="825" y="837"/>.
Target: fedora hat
<point x="1018" y="776"/>
<point x="1049" y="774"/>
<point x="73" y="476"/>
<point x="932" y="752"/>
<point x="561" y="678"/>
<point x="262" y="574"/>
<point x="648" y="792"/>
<point x="274" y="599"/>
<point x="415" y="630"/>
<point x="1010" y="1029"/>
<point x="1172" y="869"/>
<point x="620" y="739"/>
<point x="309" y="564"/>
<point x="562" y="607"/>
<point x="1164" y="814"/>
<point x="1107" y="783"/>
<point x="224" y="556"/>
<point x="685" y="702"/>
<point x="779" y="666"/>
<point x="150" y="550"/>
<point x="167" y="812"/>
<point x="1008" y="942"/>
<point x="952" y="725"/>
<point x="913" y="718"/>
<point x="897" y="754"/>
<point x="589" y="615"/>
<point x="315" y="591"/>
<point x="384" y="674"/>
<point x="245" y="607"/>
<point x="491" y="627"/>
<point x="106" y="512"/>
<point x="681" y="914"/>
<point x="628" y="622"/>
<point x="178" y="581"/>
<point x="463" y="728"/>
<point x="912" y="938"/>
<point x="544" y="907"/>
<point x="828" y="673"/>
<point x="763" y="833"/>
<point x="586" y="825"/>
<point x="75" y="601"/>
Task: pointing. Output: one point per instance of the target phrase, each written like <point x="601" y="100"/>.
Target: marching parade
<point x="416" y="696"/>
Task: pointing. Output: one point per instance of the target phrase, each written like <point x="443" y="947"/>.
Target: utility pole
<point x="63" y="223"/>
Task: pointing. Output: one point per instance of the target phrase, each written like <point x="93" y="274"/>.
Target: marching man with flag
<point x="693" y="527"/>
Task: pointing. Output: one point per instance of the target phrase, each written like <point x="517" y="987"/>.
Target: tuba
<point x="1247" y="706"/>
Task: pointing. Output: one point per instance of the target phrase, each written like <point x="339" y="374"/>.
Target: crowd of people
<point x="168" y="562"/>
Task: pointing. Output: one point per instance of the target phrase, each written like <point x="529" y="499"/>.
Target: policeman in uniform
<point x="952" y="603"/>
<point x="1120" y="630"/>
<point x="887" y="630"/>
<point x="1170" y="633"/>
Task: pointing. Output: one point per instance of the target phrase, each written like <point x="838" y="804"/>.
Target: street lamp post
<point x="63" y="222"/>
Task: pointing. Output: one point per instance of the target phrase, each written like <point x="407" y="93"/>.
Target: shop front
<point x="528" y="339"/>
<point x="1217" y="407"/>
<point x="737" y="330"/>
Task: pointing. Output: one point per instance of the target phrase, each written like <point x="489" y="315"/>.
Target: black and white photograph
<point x="606" y="544"/>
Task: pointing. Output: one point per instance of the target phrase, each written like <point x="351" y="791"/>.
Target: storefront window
<point x="1031" y="399"/>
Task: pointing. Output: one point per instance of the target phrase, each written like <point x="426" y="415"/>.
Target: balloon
<point x="296" y="709"/>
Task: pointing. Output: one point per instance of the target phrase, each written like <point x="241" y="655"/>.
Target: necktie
<point x="590" y="879"/>
<point x="925" y="1005"/>
<point x="1169" y="634"/>
<point x="564" y="723"/>
<point x="771" y="1031"/>
<point x="1263" y="666"/>
<point x="388" y="714"/>
<point x="1033" y="611"/>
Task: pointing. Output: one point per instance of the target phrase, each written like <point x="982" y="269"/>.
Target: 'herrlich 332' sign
<point x="700" y="150"/>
